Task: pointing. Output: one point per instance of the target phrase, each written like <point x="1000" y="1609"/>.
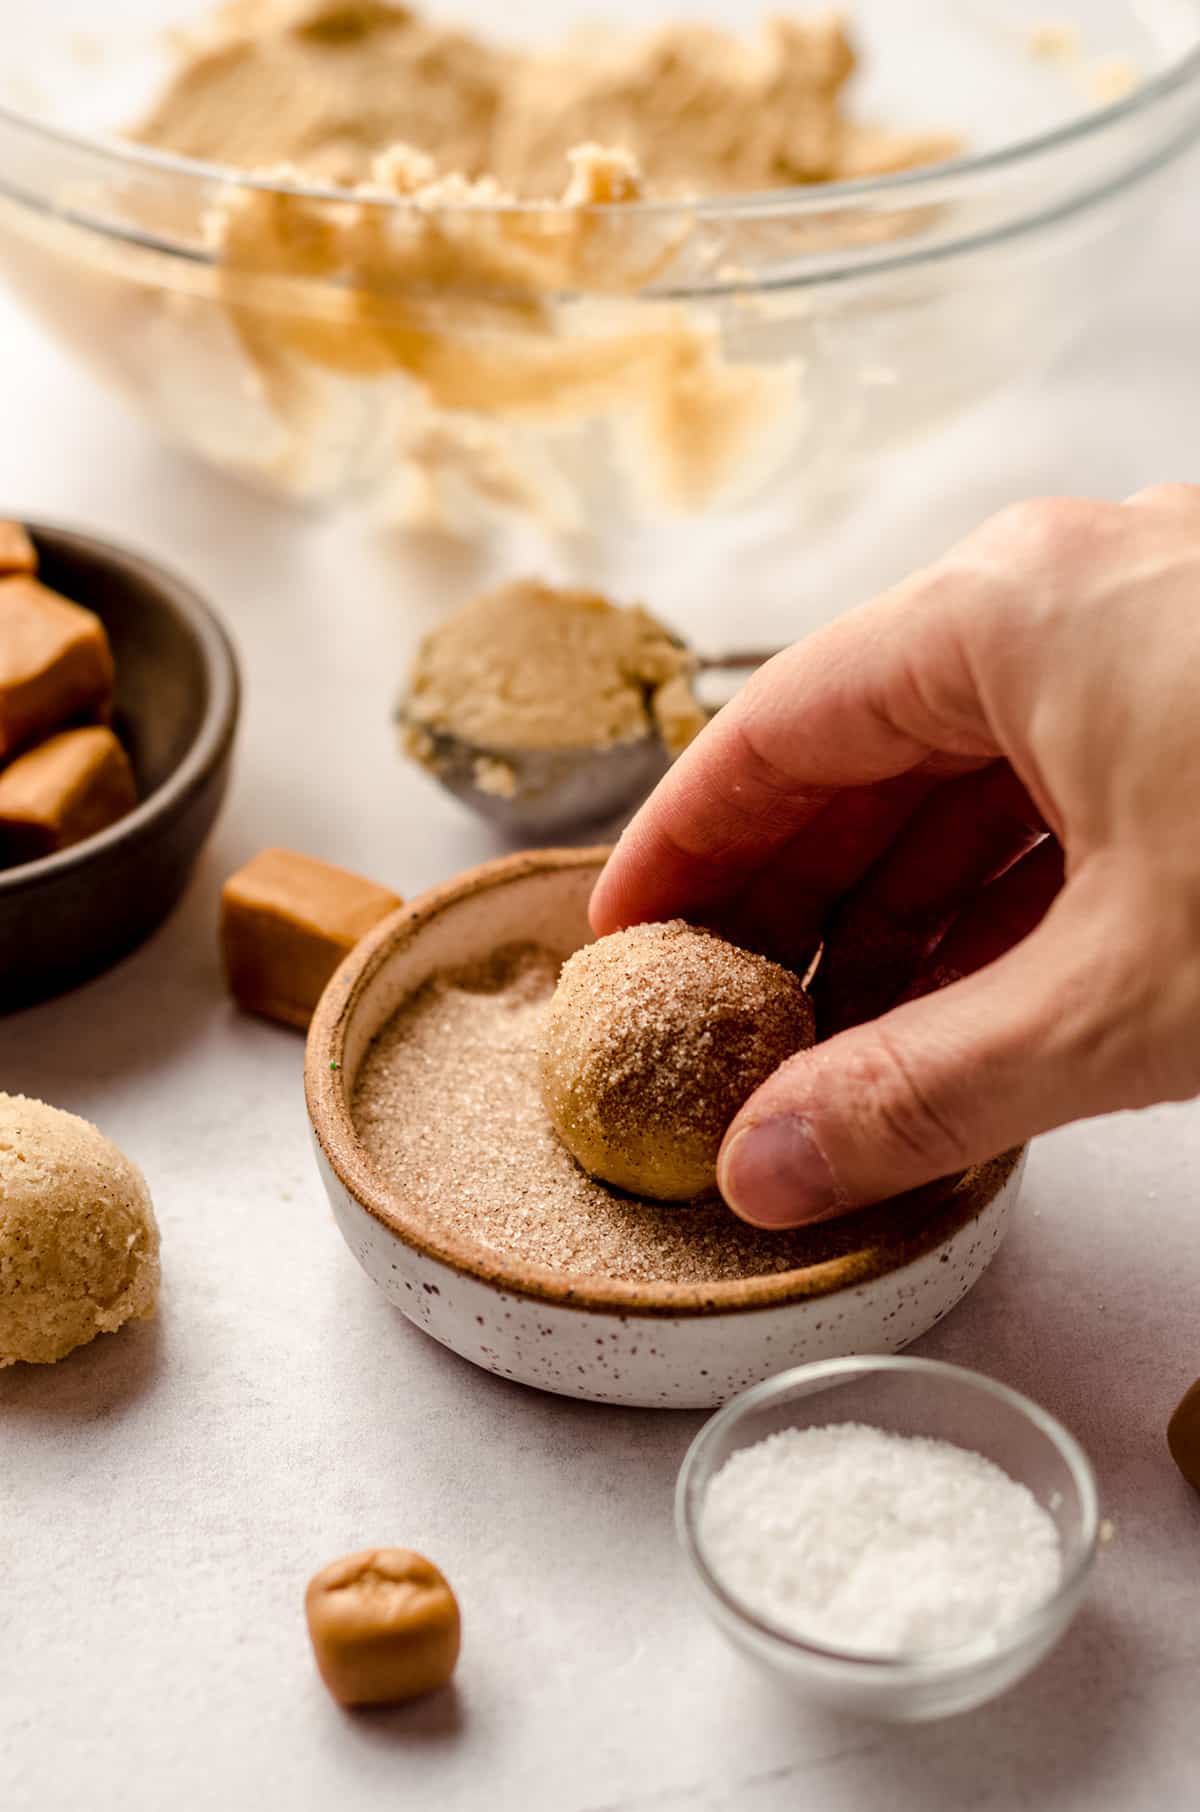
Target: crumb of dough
<point x="1055" y="40"/>
<point x="78" y="1238"/>
<point x="532" y="666"/>
<point x="1109" y="79"/>
<point x="499" y="778"/>
<point x="678" y="716"/>
<point x="601" y="176"/>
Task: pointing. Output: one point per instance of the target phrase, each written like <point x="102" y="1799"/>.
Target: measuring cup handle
<point x="738" y="660"/>
<point x="734" y="666"/>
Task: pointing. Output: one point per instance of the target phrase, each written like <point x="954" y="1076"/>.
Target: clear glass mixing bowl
<point x="908" y="1396"/>
<point x="689" y="359"/>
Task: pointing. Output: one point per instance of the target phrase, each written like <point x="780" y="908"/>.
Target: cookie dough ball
<point x="78" y="1238"/>
<point x="654" y="1038"/>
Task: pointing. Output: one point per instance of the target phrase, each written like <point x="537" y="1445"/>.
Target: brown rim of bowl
<point x="888" y="1236"/>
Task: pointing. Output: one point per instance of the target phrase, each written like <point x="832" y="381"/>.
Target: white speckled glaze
<point x="663" y="1361"/>
<point x="668" y="1346"/>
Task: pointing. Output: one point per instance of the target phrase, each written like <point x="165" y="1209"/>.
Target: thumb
<point x="1055" y="1030"/>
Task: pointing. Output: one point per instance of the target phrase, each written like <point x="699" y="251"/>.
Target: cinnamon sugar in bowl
<point x="451" y="1189"/>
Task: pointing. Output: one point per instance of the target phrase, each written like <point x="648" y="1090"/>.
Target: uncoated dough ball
<point x="654" y="1038"/>
<point x="78" y="1238"/>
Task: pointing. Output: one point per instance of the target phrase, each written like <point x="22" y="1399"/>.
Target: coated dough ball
<point x="654" y="1038"/>
<point x="78" y="1238"/>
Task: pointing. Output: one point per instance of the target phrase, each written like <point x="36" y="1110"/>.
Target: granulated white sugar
<point x="857" y="1538"/>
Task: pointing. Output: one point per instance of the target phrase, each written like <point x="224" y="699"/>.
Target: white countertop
<point x="165" y="1494"/>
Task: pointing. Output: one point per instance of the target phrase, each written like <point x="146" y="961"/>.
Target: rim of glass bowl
<point x="802" y="199"/>
<point x="929" y="185"/>
<point x="916" y="1665"/>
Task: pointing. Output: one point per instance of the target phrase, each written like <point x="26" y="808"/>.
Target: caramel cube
<point x="62" y="791"/>
<point x="384" y="1626"/>
<point x="17" y="552"/>
<point x="286" y="923"/>
<point x="55" y="663"/>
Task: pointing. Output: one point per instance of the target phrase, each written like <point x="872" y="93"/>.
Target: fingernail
<point x="775" y="1175"/>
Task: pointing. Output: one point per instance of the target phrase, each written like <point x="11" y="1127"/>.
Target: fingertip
<point x="774" y="1175"/>
<point x="597" y="915"/>
<point x="629" y="883"/>
<point x="604" y="914"/>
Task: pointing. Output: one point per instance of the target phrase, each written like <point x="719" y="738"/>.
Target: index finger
<point x="850" y="706"/>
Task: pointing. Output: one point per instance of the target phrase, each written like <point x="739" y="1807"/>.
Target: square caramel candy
<point x="68" y="788"/>
<point x="286" y="923"/>
<point x="17" y="552"/>
<point x="55" y="663"/>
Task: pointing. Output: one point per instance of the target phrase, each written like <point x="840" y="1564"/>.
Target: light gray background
<point x="165" y="1494"/>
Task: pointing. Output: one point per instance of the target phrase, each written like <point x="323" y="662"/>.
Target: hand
<point x="907" y="786"/>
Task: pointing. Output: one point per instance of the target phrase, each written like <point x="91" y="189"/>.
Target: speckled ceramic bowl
<point x="869" y="1283"/>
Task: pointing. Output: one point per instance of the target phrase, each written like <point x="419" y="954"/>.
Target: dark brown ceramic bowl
<point x="67" y="916"/>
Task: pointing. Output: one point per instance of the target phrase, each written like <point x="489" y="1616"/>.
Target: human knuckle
<point x="1172" y="497"/>
<point x="1053" y="531"/>
<point x="1125" y="1013"/>
<point x="896" y="1108"/>
<point x="1153" y="988"/>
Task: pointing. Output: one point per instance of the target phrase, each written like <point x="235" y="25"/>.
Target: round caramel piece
<point x="384" y="1626"/>
<point x="653" y="1040"/>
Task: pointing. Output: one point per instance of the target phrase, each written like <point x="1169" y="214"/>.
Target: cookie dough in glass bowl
<point x="553" y="295"/>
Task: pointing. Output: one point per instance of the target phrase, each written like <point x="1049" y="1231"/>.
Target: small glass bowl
<point x="911" y="1397"/>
